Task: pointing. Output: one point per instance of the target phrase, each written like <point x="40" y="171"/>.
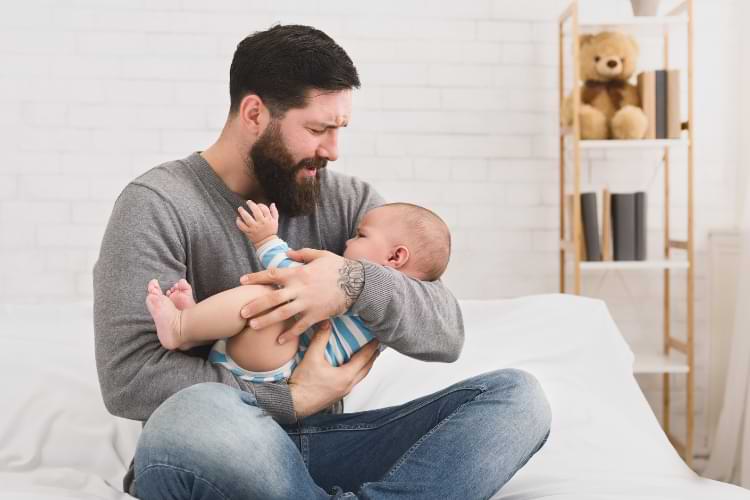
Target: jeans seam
<point x="366" y="427"/>
<point x="421" y="440"/>
<point x="196" y="476"/>
<point x="304" y="445"/>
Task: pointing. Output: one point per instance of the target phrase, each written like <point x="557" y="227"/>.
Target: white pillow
<point x="55" y="433"/>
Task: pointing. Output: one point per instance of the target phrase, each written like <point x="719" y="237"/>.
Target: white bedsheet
<point x="58" y="441"/>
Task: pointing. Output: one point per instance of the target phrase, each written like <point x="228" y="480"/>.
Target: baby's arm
<point x="261" y="228"/>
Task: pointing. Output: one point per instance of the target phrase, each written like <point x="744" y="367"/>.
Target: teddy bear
<point x="610" y="106"/>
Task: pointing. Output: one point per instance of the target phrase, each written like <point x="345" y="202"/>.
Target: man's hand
<point x="262" y="225"/>
<point x="316" y="385"/>
<point x="327" y="286"/>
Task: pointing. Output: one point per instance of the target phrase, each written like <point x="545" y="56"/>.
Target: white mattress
<point x="58" y="441"/>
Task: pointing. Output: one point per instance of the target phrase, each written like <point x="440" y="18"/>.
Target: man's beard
<point x="272" y="164"/>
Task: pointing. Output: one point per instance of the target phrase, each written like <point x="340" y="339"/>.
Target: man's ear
<point x="253" y="114"/>
<point x="399" y="257"/>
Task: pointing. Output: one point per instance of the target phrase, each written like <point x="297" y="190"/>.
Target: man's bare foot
<point x="166" y="316"/>
<point x="181" y="295"/>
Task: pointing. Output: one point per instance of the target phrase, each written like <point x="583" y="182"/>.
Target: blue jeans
<point x="466" y="441"/>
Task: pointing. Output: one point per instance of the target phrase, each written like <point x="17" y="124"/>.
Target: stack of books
<point x="660" y="99"/>
<point x="623" y="229"/>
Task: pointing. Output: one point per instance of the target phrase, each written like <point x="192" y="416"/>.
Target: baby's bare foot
<point x="181" y="295"/>
<point x="166" y="316"/>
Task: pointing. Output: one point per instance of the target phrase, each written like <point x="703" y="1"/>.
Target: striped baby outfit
<point x="348" y="334"/>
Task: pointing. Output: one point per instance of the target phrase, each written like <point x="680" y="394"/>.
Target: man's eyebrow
<point x="333" y="125"/>
<point x="328" y="124"/>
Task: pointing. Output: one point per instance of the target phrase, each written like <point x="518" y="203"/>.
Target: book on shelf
<point x="590" y="226"/>
<point x="647" y="93"/>
<point x="659" y="92"/>
<point x="640" y="225"/>
<point x="623" y="226"/>
<point x="660" y="81"/>
<point x="629" y="226"/>
<point x="581" y="244"/>
<point x="606" y="225"/>
<point x="674" y="121"/>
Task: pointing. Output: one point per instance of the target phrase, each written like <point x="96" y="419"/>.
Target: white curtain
<point x="730" y="455"/>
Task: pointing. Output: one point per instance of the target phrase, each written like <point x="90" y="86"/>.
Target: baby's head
<point x="403" y="236"/>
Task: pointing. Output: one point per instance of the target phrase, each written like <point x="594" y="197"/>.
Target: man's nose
<point x="328" y="149"/>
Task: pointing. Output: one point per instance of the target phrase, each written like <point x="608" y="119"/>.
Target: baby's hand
<point x="261" y="225"/>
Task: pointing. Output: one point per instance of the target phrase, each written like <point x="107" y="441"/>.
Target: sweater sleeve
<point x="274" y="253"/>
<point x="145" y="239"/>
<point x="421" y="319"/>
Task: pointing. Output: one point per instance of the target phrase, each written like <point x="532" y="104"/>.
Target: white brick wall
<point x="458" y="111"/>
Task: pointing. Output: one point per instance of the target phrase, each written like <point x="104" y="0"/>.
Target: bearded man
<point x="209" y="434"/>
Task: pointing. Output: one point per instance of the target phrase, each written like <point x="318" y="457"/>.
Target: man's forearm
<point x="351" y="281"/>
<point x="417" y="318"/>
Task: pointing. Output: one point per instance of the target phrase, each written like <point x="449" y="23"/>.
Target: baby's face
<point x="375" y="237"/>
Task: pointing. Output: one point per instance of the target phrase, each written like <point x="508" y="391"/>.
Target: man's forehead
<point x="330" y="108"/>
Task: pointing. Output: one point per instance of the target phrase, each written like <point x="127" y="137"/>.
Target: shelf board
<point x="633" y="264"/>
<point x="647" y="26"/>
<point x="650" y="362"/>
<point x="635" y="144"/>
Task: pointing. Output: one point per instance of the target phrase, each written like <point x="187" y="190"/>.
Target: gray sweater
<point x="178" y="221"/>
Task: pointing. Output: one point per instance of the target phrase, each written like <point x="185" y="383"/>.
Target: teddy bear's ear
<point x="584" y="39"/>
<point x="634" y="43"/>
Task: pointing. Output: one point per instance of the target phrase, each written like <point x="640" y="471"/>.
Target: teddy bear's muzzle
<point x="609" y="67"/>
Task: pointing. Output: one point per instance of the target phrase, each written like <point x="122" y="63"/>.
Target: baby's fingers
<point x="255" y="209"/>
<point x="242" y="226"/>
<point x="246" y="217"/>
<point x="274" y="211"/>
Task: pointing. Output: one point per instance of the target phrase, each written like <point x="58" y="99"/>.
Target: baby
<point x="406" y="237"/>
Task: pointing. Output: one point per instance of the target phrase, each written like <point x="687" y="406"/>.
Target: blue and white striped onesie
<point x="349" y="334"/>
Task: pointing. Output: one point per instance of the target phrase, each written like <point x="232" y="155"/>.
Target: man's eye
<point x="316" y="132"/>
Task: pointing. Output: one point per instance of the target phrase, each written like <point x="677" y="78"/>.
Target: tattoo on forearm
<point x="351" y="280"/>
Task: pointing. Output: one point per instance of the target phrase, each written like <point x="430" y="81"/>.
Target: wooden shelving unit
<point x="677" y="357"/>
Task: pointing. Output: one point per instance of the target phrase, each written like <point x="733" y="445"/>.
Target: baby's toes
<point x="153" y="286"/>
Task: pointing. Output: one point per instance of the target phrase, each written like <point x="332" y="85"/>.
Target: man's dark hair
<point x="282" y="63"/>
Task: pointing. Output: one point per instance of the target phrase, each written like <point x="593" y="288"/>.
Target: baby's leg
<point x="259" y="350"/>
<point x="215" y="318"/>
<point x="218" y="316"/>
<point x="166" y="316"/>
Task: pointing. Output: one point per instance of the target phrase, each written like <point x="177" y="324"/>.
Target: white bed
<point x="57" y="440"/>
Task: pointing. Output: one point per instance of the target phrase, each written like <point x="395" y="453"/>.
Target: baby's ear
<point x="399" y="257"/>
